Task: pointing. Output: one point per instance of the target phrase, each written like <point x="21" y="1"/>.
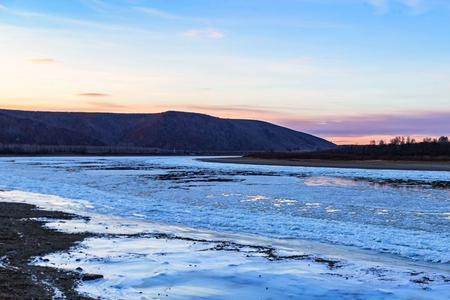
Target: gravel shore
<point x="23" y="237"/>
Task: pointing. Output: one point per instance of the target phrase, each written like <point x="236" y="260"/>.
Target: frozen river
<point x="316" y="232"/>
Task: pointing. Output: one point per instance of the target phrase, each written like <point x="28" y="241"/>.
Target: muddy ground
<point x="22" y="238"/>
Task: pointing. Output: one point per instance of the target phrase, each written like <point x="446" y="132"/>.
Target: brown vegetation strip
<point x="357" y="164"/>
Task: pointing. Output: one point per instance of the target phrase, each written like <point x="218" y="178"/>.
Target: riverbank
<point x="23" y="236"/>
<point x="357" y="164"/>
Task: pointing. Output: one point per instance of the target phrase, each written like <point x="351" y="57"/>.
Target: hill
<point x="171" y="131"/>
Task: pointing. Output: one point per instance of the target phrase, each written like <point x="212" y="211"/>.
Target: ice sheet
<point x="389" y="230"/>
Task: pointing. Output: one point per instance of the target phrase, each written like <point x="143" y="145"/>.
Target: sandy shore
<point x="358" y="164"/>
<point x="21" y="239"/>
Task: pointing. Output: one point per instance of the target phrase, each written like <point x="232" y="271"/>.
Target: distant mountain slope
<point x="168" y="130"/>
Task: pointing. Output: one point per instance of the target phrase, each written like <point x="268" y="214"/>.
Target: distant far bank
<point x="347" y="164"/>
<point x="11" y="150"/>
<point x="432" y="155"/>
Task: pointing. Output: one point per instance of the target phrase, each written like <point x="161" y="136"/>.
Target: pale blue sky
<point x="314" y="65"/>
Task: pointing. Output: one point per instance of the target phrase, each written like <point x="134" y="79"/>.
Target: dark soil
<point x="21" y="239"/>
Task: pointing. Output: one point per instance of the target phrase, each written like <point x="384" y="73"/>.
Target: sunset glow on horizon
<point x="349" y="71"/>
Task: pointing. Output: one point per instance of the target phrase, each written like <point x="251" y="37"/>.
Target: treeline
<point x="15" y="149"/>
<point x="25" y="149"/>
<point x="402" y="140"/>
<point x="399" y="148"/>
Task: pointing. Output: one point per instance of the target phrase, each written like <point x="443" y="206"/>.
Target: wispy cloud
<point x="424" y="123"/>
<point x="93" y="95"/>
<point x="204" y="33"/>
<point x="412" y="3"/>
<point x="96" y="5"/>
<point x="158" y="13"/>
<point x="415" y="6"/>
<point x="380" y="6"/>
<point x="43" y="61"/>
<point x="69" y="21"/>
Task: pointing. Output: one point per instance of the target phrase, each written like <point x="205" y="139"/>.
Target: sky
<point x="347" y="70"/>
